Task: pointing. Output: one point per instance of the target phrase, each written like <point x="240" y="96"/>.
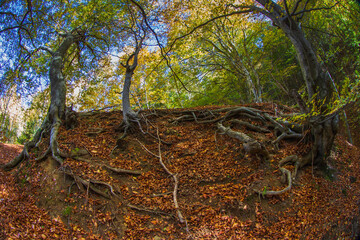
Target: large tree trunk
<point x="319" y="88"/>
<point x="57" y="80"/>
<point x="56" y="110"/>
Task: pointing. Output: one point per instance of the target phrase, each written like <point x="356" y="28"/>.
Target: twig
<point x="176" y="184"/>
<point x="174" y="176"/>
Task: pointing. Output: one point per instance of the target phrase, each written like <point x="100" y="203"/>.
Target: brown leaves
<point x="215" y="188"/>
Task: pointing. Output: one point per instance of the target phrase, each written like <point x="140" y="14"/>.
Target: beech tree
<point x="59" y="57"/>
<point x="137" y="32"/>
<point x="320" y="118"/>
<point x="319" y="87"/>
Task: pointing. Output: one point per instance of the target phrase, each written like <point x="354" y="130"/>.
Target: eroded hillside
<point x="178" y="175"/>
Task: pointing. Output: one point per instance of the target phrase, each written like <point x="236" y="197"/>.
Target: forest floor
<point x="215" y="193"/>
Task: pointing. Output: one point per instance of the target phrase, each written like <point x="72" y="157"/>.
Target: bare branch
<point x="315" y="9"/>
<point x="47" y="49"/>
<point x="296" y="7"/>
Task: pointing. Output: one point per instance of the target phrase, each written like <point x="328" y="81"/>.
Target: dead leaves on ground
<point x="215" y="194"/>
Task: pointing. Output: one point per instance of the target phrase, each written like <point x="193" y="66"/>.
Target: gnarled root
<point x="293" y="159"/>
<point x="173" y="175"/>
<point x="272" y="193"/>
<point x="251" y="146"/>
<point x="127" y="123"/>
<point x="24" y="155"/>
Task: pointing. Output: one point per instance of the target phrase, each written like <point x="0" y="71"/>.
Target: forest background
<point x="230" y="59"/>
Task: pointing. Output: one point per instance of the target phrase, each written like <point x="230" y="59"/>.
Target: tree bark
<point x="317" y="82"/>
<point x="127" y="110"/>
<point x="56" y="110"/>
<point x="130" y="68"/>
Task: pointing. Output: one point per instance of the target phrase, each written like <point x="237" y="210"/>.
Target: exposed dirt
<point x="215" y="195"/>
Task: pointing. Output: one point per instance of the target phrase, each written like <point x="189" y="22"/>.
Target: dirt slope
<point x="215" y="193"/>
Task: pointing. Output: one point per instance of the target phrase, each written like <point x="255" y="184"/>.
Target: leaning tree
<point x="56" y="111"/>
<point x="73" y="36"/>
<point x="319" y="87"/>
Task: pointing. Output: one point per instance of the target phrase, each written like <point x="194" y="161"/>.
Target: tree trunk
<point x="128" y="113"/>
<point x="57" y="80"/>
<point x="323" y="128"/>
<point x="127" y="110"/>
<point x="57" y="105"/>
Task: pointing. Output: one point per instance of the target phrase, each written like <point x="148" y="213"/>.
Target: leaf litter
<point x="215" y="195"/>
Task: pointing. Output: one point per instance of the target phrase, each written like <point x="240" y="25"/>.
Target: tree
<point x="56" y="110"/>
<point x="137" y="31"/>
<point x="319" y="87"/>
<point x="59" y="58"/>
<point x="322" y="121"/>
<point x="229" y="47"/>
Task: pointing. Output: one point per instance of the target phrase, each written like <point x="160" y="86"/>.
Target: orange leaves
<point x="215" y="190"/>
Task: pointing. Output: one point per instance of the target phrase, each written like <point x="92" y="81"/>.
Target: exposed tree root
<point x="272" y="193"/>
<point x="89" y="184"/>
<point x="251" y="146"/>
<point x="24" y="155"/>
<point x="127" y="123"/>
<point x="175" y="178"/>
<point x="95" y="132"/>
<point x="53" y="140"/>
<point x="297" y="162"/>
<point x="141" y="209"/>
<point x="282" y="130"/>
<point x="250" y="126"/>
<point x="122" y="171"/>
<point x="58" y="156"/>
<point x="116" y="170"/>
<point x="242" y="137"/>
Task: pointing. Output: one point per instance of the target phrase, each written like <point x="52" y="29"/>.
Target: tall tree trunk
<point x="57" y="80"/>
<point x="128" y="113"/>
<point x="57" y="105"/>
<point x="127" y="110"/>
<point x="323" y="128"/>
